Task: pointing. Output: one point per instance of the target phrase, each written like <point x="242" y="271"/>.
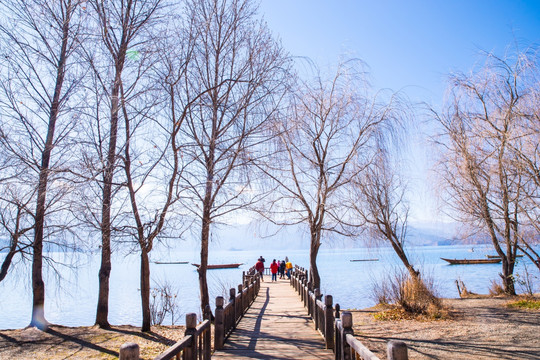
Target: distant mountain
<point x="440" y="234"/>
<point x="255" y="237"/>
<point x="269" y="236"/>
<point x="429" y="236"/>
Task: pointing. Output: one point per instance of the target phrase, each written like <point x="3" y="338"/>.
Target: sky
<point x="409" y="46"/>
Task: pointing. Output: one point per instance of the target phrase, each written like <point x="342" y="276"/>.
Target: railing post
<point x="397" y="350"/>
<point x="219" y="326"/>
<point x="300" y="288"/>
<point x="207" y="346"/>
<point x="245" y="298"/>
<point x="239" y="309"/>
<point x="314" y="312"/>
<point x="190" y="353"/>
<point x="129" y="351"/>
<point x="232" y="299"/>
<point x="337" y="335"/>
<point x="346" y="322"/>
<point x="329" y="321"/>
<point x="250" y="293"/>
<point x="305" y="289"/>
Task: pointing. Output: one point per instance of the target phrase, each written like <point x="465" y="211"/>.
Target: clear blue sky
<point x="409" y="45"/>
<point x="406" y="43"/>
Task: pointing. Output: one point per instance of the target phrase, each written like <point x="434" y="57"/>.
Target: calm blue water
<point x="72" y="300"/>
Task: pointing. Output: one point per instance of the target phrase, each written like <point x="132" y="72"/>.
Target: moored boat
<point x="364" y="260"/>
<point x="498" y="257"/>
<point x="472" y="261"/>
<point x="219" y="266"/>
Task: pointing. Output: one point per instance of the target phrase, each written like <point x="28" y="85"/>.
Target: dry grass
<point x="408" y="298"/>
<point x="496" y="288"/>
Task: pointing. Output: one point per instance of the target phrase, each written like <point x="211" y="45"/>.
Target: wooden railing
<point x="228" y="316"/>
<point x="336" y="328"/>
<point x="197" y="344"/>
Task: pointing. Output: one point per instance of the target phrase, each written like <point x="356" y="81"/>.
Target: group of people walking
<point x="283" y="268"/>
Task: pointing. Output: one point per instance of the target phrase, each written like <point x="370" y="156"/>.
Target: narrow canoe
<point x="219" y="266"/>
<point x="171" y="262"/>
<point x="497" y="256"/>
<point x="472" y="261"/>
<point x="365" y="260"/>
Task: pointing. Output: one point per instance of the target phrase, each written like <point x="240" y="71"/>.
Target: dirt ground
<point x="61" y="342"/>
<point x="481" y="328"/>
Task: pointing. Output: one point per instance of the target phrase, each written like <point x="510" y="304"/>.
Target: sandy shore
<point x="482" y="328"/>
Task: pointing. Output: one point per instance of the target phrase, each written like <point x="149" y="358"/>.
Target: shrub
<point x="163" y="303"/>
<point x="496" y="288"/>
<point x="526" y="280"/>
<point x="411" y="295"/>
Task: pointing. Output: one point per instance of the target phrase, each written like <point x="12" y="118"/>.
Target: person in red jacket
<point x="274" y="269"/>
<point x="259" y="267"/>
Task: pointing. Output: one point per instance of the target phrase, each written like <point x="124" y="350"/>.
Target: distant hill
<point x="440" y="234"/>
<point x="268" y="236"/>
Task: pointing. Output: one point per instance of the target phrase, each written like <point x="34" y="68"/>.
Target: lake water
<point x="72" y="300"/>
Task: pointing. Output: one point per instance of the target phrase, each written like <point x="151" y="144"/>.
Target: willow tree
<point x="330" y="124"/>
<point x="378" y="198"/>
<point x="240" y="71"/>
<point x="39" y="79"/>
<point x="486" y="123"/>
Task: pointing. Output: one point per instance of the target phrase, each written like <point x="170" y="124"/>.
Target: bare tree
<point x="152" y="154"/>
<point x="16" y="222"/>
<point x="38" y="81"/>
<point x="331" y="124"/>
<point x="525" y="149"/>
<point x="123" y="27"/>
<point x="240" y="70"/>
<point x="379" y="199"/>
<point x="16" y="196"/>
<point x="483" y="135"/>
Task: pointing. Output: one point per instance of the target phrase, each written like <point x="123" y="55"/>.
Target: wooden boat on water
<point x="354" y="260"/>
<point x="171" y="262"/>
<point x="219" y="266"/>
<point x="472" y="261"/>
<point x="498" y="257"/>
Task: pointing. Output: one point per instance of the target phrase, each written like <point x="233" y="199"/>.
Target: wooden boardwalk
<point x="275" y="327"/>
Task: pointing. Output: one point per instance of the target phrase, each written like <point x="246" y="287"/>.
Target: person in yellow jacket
<point x="288" y="268"/>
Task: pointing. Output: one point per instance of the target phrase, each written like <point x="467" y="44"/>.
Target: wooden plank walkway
<point x="275" y="327"/>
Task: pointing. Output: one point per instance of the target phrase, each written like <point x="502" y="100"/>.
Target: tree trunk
<point x="314" y="251"/>
<point x="207" y="215"/>
<point x="38" y="286"/>
<point x="508" y="275"/>
<point x="9" y="257"/>
<point x="403" y="257"/>
<point x="205" y="236"/>
<point x="145" y="289"/>
<point x="102" y="313"/>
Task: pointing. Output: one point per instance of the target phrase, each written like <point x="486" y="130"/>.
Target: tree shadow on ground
<point x="81" y="342"/>
<point x="150" y="336"/>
